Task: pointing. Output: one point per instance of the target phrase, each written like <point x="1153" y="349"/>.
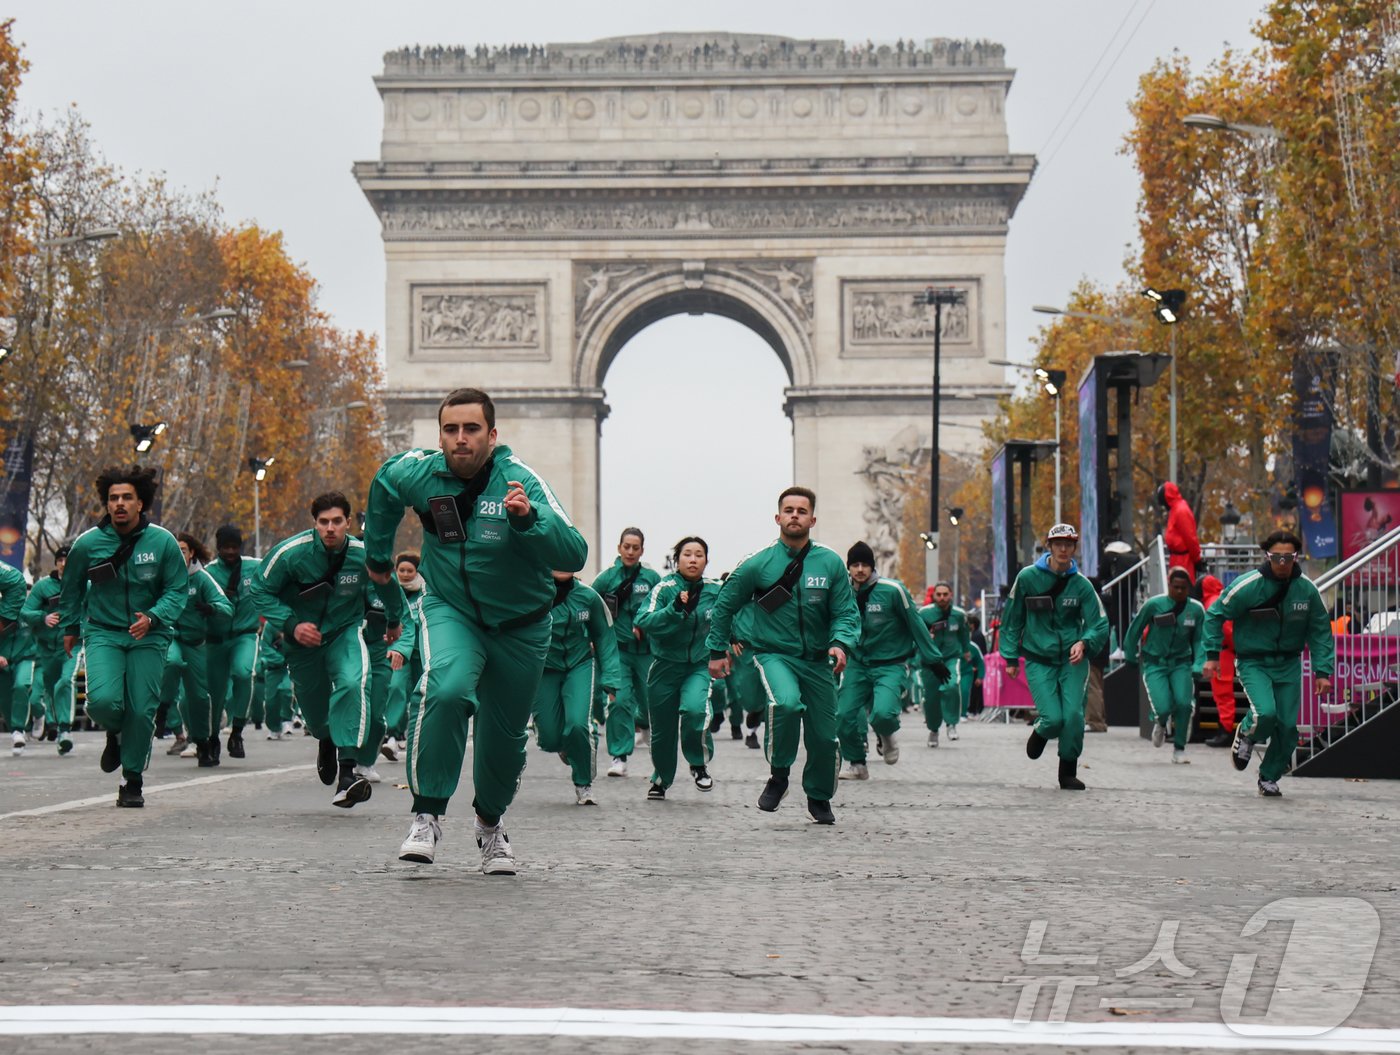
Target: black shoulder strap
<point x="863" y="595"/>
<point x="791" y="573"/>
<point x="1061" y="582"/>
<point x="128" y="545"/>
<point x="1277" y="599"/>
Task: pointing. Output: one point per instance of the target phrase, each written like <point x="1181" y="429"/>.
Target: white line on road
<point x="320" y="1020"/>
<point x="108" y="799"/>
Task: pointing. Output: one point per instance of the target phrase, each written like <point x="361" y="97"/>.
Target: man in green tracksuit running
<point x="1173" y="652"/>
<point x="16" y="648"/>
<point x="947" y="625"/>
<point x="312" y="586"/>
<point x="125" y="585"/>
<point x="626" y="590"/>
<point x="1054" y="620"/>
<point x="231" y="654"/>
<point x="891" y="635"/>
<point x="187" y="662"/>
<point x="804" y="624"/>
<point x="53" y="671"/>
<point x="1277" y="612"/>
<point x="581" y="641"/>
<point x="493" y="533"/>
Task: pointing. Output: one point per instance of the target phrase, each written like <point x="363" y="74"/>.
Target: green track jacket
<point x="245" y="612"/>
<point x="1046" y="636"/>
<point x="206" y="604"/>
<point x="154" y="580"/>
<point x="43" y="600"/>
<point x="632" y="604"/>
<point x="298" y="564"/>
<point x="890" y="630"/>
<point x="13" y="590"/>
<point x="1298" y="621"/>
<point x="1173" y="638"/>
<point x="500" y="573"/>
<point x="377" y="622"/>
<point x="680" y="635"/>
<point x="821" y="613"/>
<point x="582" y="630"/>
<point x="951" y="638"/>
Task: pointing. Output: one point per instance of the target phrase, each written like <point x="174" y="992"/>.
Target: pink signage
<point x="1365" y="662"/>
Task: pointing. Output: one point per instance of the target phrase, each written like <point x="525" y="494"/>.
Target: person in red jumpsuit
<point x="1222" y="686"/>
<point x="1183" y="543"/>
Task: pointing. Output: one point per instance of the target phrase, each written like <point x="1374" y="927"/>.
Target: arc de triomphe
<point x="542" y="205"/>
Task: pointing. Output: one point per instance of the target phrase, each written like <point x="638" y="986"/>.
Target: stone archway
<point x="540" y="206"/>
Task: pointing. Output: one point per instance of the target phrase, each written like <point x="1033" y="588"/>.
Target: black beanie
<point x="860" y="553"/>
<point x="228" y="535"/>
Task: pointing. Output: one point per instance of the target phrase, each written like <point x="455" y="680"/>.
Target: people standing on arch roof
<point x="493" y="532"/>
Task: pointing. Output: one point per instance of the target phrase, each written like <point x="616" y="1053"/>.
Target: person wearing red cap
<point x="1222" y="685"/>
<point x="1168" y="632"/>
<point x="1183" y="542"/>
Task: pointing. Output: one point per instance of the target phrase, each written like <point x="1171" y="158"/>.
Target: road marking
<point x="670" y="1025"/>
<point x="109" y="799"/>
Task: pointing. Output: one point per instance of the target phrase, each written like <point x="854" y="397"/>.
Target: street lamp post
<point x="258" y="467"/>
<point x="1167" y="308"/>
<point x="938" y="297"/>
<point x="1053" y="383"/>
<point x="144" y="436"/>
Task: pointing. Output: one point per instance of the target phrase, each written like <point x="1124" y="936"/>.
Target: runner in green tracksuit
<point x="1173" y="652"/>
<point x="804" y="624"/>
<point x="947" y="625"/>
<point x="273" y="698"/>
<point x="972" y="674"/>
<point x="626" y="588"/>
<point x="53" y="670"/>
<point x="311" y="586"/>
<point x="231" y="654"/>
<point x="17" y="651"/>
<point x="676" y="623"/>
<point x="581" y="641"/>
<point x="385" y="661"/>
<point x="1054" y="620"/>
<point x="125" y="586"/>
<point x="1277" y="613"/>
<point x="743" y="684"/>
<point x="187" y="660"/>
<point x="493" y="532"/>
<point x="405" y="680"/>
<point x="891" y="635"/>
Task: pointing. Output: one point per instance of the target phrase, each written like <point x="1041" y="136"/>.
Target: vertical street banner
<point x="1091" y="464"/>
<point x="14" y="499"/>
<point x="1312" y="445"/>
<point x="1001" y="540"/>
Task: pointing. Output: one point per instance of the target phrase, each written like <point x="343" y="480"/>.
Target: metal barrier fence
<point x="1125" y="593"/>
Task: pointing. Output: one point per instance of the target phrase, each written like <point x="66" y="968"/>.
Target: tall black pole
<point x="937" y="389"/>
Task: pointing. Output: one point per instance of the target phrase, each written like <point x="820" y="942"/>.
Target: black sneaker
<point x="205" y="755"/>
<point x="703" y="780"/>
<point x="327" y="766"/>
<point x="1243" y="749"/>
<point x="879" y="745"/>
<point x="235" y="744"/>
<point x="1220" y="739"/>
<point x="216" y="749"/>
<point x="735" y="732"/>
<point x="51" y="733"/>
<point x="820" y="811"/>
<point x="1035" y="746"/>
<point x="1068" y="780"/>
<point x="112" y="754"/>
<point x="773" y="793"/>
<point x="717" y="722"/>
<point x="353" y="788"/>
<point x="1269" y="789"/>
<point x="129" y="795"/>
<point x="656" y="791"/>
<point x="752" y="741"/>
<point x="65" y="745"/>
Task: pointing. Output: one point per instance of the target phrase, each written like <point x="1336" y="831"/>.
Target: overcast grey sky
<point x="272" y="101"/>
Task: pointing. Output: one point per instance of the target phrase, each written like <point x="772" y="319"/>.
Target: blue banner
<point x="1089" y="472"/>
<point x="1312" y="445"/>
<point x="14" y="499"/>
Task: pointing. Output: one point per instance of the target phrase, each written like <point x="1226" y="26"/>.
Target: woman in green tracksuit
<point x="1173" y="652"/>
<point x="626" y="588"/>
<point x="231" y="655"/>
<point x="126" y="586"/>
<point x="186" y="661"/>
<point x="53" y="670"/>
<point x="406" y="679"/>
<point x="311" y="586"/>
<point x="1277" y="613"/>
<point x="677" y="623"/>
<point x="947" y="625"/>
<point x="581" y="642"/>
<point x="1054" y="620"/>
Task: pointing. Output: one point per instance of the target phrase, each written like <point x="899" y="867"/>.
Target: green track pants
<point x="123" y="689"/>
<point x="333" y="687"/>
<point x="1171" y="693"/>
<point x="1274" y="688"/>
<point x="380" y="675"/>
<point x="942" y="700"/>
<point x="1058" y="692"/>
<point x="868" y="695"/>
<point x="745" y="686"/>
<point x="53" y="679"/>
<point x="801" y="697"/>
<point x="563" y="721"/>
<point x="629" y="709"/>
<point x="16" y="688"/>
<point x="471" y="671"/>
<point x="272" y="703"/>
<point x="679" y="697"/>
<point x="186" y="667"/>
<point x="402" y="685"/>
<point x="229" y="668"/>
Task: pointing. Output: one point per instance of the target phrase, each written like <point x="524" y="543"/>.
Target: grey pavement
<point x="917" y="902"/>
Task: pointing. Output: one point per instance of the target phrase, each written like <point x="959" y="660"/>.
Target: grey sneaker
<point x="1179" y="757"/>
<point x="1269" y="789"/>
<point x="497" y="859"/>
<point x="423" y="839"/>
<point x="933" y="738"/>
<point x="891" y="755"/>
<point x="1159" y="733"/>
<point x="1244" y="748"/>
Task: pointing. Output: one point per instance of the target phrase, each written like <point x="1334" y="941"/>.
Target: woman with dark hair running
<point x="676" y="623"/>
<point x="186" y="659"/>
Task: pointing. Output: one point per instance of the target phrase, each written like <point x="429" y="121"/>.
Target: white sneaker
<point x="891" y="755"/>
<point x="390" y="749"/>
<point x="862" y="772"/>
<point x="17" y="748"/>
<point x="1159" y="734"/>
<point x="618" y="768"/>
<point x="191" y="750"/>
<point x="952" y="732"/>
<point x="1179" y="757"/>
<point x="423" y="839"/>
<point x="933" y="738"/>
<point x="369" y="773"/>
<point x="848" y="771"/>
<point x="497" y="859"/>
<point x="583" y="796"/>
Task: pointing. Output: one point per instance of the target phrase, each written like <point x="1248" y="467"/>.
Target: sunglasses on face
<point x="1282" y="558"/>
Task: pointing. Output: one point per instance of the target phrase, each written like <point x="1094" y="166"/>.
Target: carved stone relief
<point x="881" y="318"/>
<point x="479" y="321"/>
<point x="887" y="471"/>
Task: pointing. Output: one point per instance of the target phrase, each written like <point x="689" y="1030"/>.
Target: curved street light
<point x="145" y="435"/>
